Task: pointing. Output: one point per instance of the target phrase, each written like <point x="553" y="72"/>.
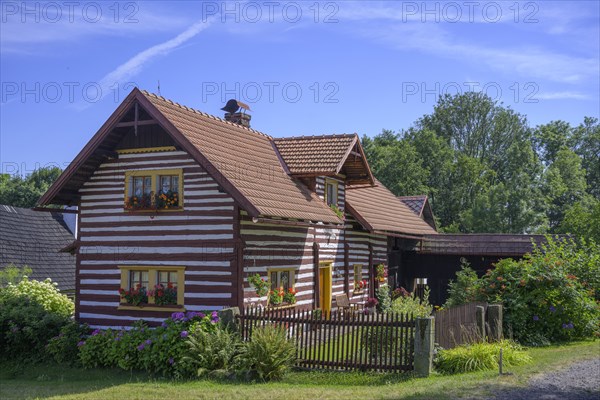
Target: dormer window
<point x="331" y="192"/>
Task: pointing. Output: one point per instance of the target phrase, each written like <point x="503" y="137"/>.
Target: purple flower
<point x="570" y="325"/>
<point x="184" y="334"/>
<point x="148" y="341"/>
<point x="201" y="315"/>
<point x="552" y="309"/>
<point x="536" y="318"/>
<point x="81" y="343"/>
<point x="97" y="331"/>
<point x="141" y="347"/>
<point x="164" y="324"/>
<point x="215" y="314"/>
<point x="171" y="361"/>
<point x="117" y="338"/>
<point x="177" y="316"/>
<point x="564" y="326"/>
<point x="191" y="314"/>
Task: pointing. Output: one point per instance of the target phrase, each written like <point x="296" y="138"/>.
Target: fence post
<point x="494" y="321"/>
<point x="480" y="321"/>
<point x="424" y="340"/>
<point x="227" y="316"/>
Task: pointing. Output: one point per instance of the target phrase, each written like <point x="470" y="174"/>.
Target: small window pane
<point x="163" y="277"/>
<point x="165" y="183"/>
<point x="175" y="183"/>
<point x="138" y="186"/>
<point x="147" y="185"/>
<point x="274" y="283"/>
<point x="285" y="279"/>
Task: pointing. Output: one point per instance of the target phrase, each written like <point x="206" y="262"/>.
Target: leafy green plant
<point x="269" y="353"/>
<point x="63" y="347"/>
<point x="210" y="352"/>
<point x="31" y="313"/>
<point x="261" y="285"/>
<point x="464" y="289"/>
<point x="13" y="274"/>
<point x="480" y="357"/>
<point x="412" y="305"/>
<point x="384" y="297"/>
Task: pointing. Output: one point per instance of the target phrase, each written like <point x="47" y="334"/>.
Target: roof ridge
<point x="323" y="136"/>
<point x="204" y="114"/>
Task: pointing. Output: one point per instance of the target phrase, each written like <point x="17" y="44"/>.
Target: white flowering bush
<point x="44" y="293"/>
<point x="31" y="313"/>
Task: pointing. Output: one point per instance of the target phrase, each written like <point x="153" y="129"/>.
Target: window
<point x="152" y="287"/>
<point x="154" y="190"/>
<point x="331" y="192"/>
<point x="281" y="278"/>
<point x="359" y="285"/>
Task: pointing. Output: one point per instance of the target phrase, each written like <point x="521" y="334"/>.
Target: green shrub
<point x="384" y="297"/>
<point x="63" y="348"/>
<point x="210" y="351"/>
<point x="159" y="351"/>
<point x="411" y="305"/>
<point x="480" y="357"/>
<point x="13" y="274"/>
<point x="465" y="288"/>
<point x="547" y="296"/>
<point x="31" y="313"/>
<point x="269" y="353"/>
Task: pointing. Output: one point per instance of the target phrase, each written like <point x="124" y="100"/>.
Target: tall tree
<point x="25" y="192"/>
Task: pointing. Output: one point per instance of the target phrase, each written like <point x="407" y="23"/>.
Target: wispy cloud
<point x="125" y="71"/>
<point x="562" y="96"/>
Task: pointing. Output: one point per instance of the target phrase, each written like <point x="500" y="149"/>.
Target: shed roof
<point x="480" y="244"/>
<point x="34" y="239"/>
<point x="379" y="210"/>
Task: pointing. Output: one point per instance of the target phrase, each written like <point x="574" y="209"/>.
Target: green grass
<point x="51" y="381"/>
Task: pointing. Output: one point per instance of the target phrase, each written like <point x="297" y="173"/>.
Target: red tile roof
<point x="378" y="208"/>
<point x="315" y="154"/>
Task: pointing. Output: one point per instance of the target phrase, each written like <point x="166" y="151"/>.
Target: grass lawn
<point x="57" y="382"/>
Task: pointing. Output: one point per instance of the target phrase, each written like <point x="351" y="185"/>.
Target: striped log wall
<point x="281" y="246"/>
<point x="200" y="238"/>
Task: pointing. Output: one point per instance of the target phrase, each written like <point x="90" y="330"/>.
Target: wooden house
<point x="174" y="197"/>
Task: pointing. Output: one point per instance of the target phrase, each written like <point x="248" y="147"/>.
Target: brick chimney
<point x="235" y="111"/>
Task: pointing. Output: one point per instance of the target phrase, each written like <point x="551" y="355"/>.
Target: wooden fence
<point x="341" y="340"/>
<point x="457" y="325"/>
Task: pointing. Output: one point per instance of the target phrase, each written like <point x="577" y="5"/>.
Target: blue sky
<point x="304" y="67"/>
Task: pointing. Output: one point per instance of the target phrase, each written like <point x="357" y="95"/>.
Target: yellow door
<point x="325" y="287"/>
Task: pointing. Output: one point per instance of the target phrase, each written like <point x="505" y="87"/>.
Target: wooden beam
<point x="143" y="122"/>
<point x="398" y="235"/>
<point x="56" y="210"/>
<point x="346" y="266"/>
<point x="296" y="223"/>
<point x="316" y="275"/>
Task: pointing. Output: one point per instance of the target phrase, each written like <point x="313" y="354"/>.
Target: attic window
<point x="331" y="192"/>
<point x="155" y="190"/>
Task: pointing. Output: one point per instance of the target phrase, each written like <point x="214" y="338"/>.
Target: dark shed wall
<point x="439" y="270"/>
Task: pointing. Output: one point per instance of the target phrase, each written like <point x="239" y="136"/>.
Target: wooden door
<point x="325" y="287"/>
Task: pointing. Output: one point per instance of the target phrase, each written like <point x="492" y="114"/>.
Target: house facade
<point x="188" y="207"/>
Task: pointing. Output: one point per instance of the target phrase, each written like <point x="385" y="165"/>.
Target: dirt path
<point x="580" y="381"/>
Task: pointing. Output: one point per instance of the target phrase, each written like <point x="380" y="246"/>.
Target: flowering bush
<point x="290" y="296"/>
<point x="261" y="286"/>
<point x="164" y="296"/>
<point x="167" y="200"/>
<point x="360" y="285"/>
<point x="276" y="297"/>
<point x="400" y="292"/>
<point x="63" y="347"/>
<point x="31" y="313"/>
<point x="138" y="202"/>
<point x="158" y="351"/>
<point x="549" y="296"/>
<point x="135" y="296"/>
<point x="380" y="272"/>
<point x="371" y="302"/>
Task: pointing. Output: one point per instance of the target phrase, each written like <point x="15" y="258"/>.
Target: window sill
<point x="281" y="307"/>
<point x="358" y="292"/>
<point x="151" y="307"/>
<point x="152" y="210"/>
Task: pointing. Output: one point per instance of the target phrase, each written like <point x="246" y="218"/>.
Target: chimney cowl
<point x="233" y="114"/>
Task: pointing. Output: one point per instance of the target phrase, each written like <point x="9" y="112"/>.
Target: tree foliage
<point x="25" y="192"/>
<point x="486" y="170"/>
